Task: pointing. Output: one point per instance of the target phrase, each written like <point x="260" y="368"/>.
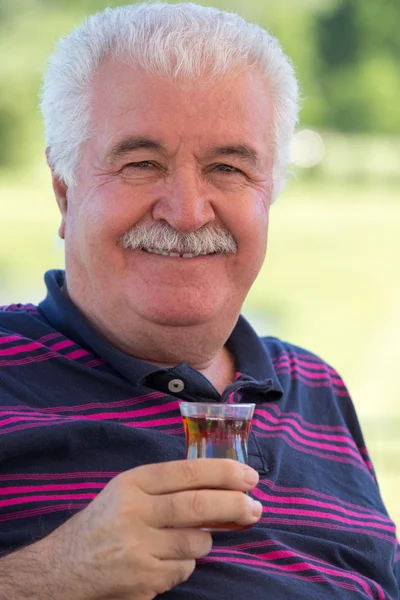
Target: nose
<point x="184" y="202"/>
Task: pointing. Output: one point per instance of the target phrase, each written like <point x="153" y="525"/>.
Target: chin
<point x="177" y="319"/>
<point x="178" y="314"/>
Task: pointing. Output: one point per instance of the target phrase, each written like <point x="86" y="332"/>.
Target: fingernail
<point x="250" y="476"/>
<point x="256" y="506"/>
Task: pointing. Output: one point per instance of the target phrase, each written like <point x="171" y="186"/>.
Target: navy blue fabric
<point x="75" y="411"/>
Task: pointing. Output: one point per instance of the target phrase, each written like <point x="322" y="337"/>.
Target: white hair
<point x="178" y="41"/>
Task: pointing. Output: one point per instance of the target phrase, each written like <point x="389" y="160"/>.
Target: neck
<point x="201" y="346"/>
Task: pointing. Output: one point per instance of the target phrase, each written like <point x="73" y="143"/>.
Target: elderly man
<point x="168" y="131"/>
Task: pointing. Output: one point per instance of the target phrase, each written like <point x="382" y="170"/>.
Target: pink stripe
<point x="313" y="384"/>
<point x="144" y="412"/>
<point x="58" y="421"/>
<point x="94" y="363"/>
<point x="54" y="409"/>
<point x="295" y="567"/>
<point x="49" y="420"/>
<point x="321" y="436"/>
<point x="10" y="338"/>
<point x="252" y="545"/>
<point x="266" y="544"/>
<point x="309" y="502"/>
<point x="364" y="453"/>
<point x="163" y="408"/>
<point x="30" y="418"/>
<point x="281" y="554"/>
<point x="315" y="373"/>
<point x="176" y="431"/>
<point x="61" y="345"/>
<point x="29" y="359"/>
<point x="310" y="357"/>
<point x="43" y="510"/>
<point x="28" y="489"/>
<point x="36" y="346"/>
<point x="47" y="476"/>
<point x="301" y="448"/>
<point x="314" y="366"/>
<point x="320" y="446"/>
<point x="76" y="354"/>
<point x="300" y="512"/>
<point x="45" y="498"/>
<point x="297" y="554"/>
<point x="35" y="425"/>
<point x="154" y="423"/>
<point x="21" y="348"/>
<point x="369" y="465"/>
<point x="312" y="578"/>
<point x="231" y="398"/>
<point x="294" y="490"/>
<point x="324" y="525"/>
<point x="308" y="424"/>
<point x="311" y="374"/>
<point x="49" y="336"/>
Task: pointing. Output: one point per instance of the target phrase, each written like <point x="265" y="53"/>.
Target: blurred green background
<point x="331" y="280"/>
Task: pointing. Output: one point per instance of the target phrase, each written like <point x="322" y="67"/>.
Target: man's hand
<point x="139" y="537"/>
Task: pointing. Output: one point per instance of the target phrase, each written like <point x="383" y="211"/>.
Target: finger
<point x="175" y="544"/>
<point x="200" y="473"/>
<point x="197" y="507"/>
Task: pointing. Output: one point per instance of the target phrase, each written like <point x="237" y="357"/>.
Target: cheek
<point x="252" y="226"/>
<point x="108" y="212"/>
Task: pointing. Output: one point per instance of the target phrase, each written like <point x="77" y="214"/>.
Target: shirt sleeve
<point x="397" y="567"/>
<point x="353" y="424"/>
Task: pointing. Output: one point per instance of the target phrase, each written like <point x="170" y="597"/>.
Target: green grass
<point x="330" y="283"/>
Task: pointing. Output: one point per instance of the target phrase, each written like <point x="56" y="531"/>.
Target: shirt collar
<point x="255" y="368"/>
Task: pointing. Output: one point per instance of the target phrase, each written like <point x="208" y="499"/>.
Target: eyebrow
<point x="132" y="143"/>
<point x="241" y="151"/>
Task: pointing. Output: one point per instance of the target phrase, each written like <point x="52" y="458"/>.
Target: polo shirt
<point x="75" y="412"/>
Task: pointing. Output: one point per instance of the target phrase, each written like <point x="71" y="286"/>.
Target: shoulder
<point x="21" y="320"/>
<point x="19" y="309"/>
<point x="281" y="351"/>
<point x="293" y="363"/>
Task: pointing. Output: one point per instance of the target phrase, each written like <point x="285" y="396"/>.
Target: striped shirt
<point x="75" y="412"/>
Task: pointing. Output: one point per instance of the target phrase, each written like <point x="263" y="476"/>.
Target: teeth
<point x="152" y="251"/>
<point x="193" y="255"/>
<point x="174" y="254"/>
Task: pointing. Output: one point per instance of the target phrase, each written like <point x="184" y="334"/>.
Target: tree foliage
<point x="346" y="53"/>
<point x="358" y="51"/>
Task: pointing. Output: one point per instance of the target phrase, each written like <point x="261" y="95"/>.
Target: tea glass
<point x="215" y="430"/>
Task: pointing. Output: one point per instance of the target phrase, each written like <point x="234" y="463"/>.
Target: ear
<point x="60" y="191"/>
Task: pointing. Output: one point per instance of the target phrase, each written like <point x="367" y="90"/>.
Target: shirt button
<point x="176" y="385"/>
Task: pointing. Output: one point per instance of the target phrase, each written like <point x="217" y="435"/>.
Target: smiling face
<point x="184" y="158"/>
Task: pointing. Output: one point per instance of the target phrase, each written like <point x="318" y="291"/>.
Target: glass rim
<point x="214" y="404"/>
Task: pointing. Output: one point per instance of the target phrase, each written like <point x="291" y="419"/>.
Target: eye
<point x="143" y="164"/>
<point x="227" y="169"/>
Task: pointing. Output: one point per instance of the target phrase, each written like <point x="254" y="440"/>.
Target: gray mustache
<point x="161" y="236"/>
